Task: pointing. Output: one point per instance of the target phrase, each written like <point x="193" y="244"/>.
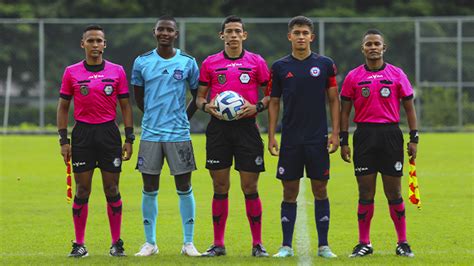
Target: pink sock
<point x="80" y="210"/>
<point x="365" y="212"/>
<point x="220" y="210"/>
<point x="253" y="205"/>
<point x="397" y="212"/>
<point x="114" y="211"/>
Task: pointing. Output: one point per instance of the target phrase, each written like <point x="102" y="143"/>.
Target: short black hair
<point x="166" y="17"/>
<point x="300" y="20"/>
<point x="93" y="27"/>
<point x="372" y="31"/>
<point x="231" y="18"/>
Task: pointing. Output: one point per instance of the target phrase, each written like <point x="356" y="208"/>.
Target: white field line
<point x="303" y="241"/>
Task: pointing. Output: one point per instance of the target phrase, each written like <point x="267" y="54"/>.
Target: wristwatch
<point x="130" y="138"/>
<point x="260" y="107"/>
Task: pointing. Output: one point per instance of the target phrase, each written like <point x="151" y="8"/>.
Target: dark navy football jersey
<point x="302" y="85"/>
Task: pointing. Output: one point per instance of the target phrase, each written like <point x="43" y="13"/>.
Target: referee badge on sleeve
<point x="365" y="92"/>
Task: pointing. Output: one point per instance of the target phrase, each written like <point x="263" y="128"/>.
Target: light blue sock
<point x="150" y="212"/>
<point x="187" y="208"/>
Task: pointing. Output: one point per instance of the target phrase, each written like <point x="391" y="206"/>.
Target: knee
<point x="290" y="194"/>
<point x="82" y="192"/>
<point x="393" y="194"/>
<point x="249" y="188"/>
<point x="183" y="186"/>
<point x="366" y="193"/>
<point x="221" y="186"/>
<point x="149" y="187"/>
<point x="320" y="192"/>
<point x="111" y="190"/>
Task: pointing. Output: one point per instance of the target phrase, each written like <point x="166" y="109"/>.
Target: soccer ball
<point x="228" y="104"/>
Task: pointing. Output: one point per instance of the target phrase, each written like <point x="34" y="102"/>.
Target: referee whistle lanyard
<point x="413" y="189"/>
<point x="68" y="182"/>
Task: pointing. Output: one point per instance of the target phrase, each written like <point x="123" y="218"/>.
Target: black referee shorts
<point x="96" y="145"/>
<point x="239" y="139"/>
<point x="378" y="148"/>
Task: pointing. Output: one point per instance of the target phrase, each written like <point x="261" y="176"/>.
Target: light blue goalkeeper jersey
<point x="165" y="83"/>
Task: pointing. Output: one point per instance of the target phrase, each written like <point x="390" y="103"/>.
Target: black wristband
<point x="129" y="136"/>
<point x="344" y="138"/>
<point x="203" y="108"/>
<point x="63" y="136"/>
<point x="260" y="107"/>
<point x="414" y="136"/>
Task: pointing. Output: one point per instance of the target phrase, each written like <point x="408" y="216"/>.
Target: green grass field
<point x="36" y="225"/>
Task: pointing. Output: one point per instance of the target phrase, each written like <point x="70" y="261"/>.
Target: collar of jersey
<point x="178" y="52"/>
<point x="310" y="55"/>
<point x="375" y="70"/>
<point x="94" y="68"/>
<point x="234" y="58"/>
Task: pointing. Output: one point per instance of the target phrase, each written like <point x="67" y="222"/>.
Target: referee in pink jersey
<point x="376" y="89"/>
<point x="244" y="72"/>
<point x="95" y="85"/>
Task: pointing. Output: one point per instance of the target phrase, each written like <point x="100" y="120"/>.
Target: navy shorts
<point x="294" y="159"/>
<point x="96" y="145"/>
<point x="239" y="140"/>
<point x="378" y="148"/>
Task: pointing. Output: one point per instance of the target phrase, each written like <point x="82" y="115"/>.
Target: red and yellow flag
<point x="68" y="183"/>
<point x="414" y="190"/>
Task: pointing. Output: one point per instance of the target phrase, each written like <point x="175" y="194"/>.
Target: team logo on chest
<point x="178" y="74"/>
<point x="315" y="71"/>
<point x="365" y="92"/>
<point x="221" y="78"/>
<point x="108" y="90"/>
<point x="244" y="78"/>
<point x="84" y="90"/>
<point x="385" y="92"/>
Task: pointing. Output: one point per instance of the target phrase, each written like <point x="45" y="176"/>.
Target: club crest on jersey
<point x="365" y="92"/>
<point x="315" y="71"/>
<point x="385" y="92"/>
<point x="84" y="90"/>
<point x="178" y="74"/>
<point x="221" y="78"/>
<point x="244" y="78"/>
<point x="108" y="90"/>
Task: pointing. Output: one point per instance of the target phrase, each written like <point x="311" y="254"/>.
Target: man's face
<point x="233" y="34"/>
<point x="300" y="37"/>
<point x="373" y="46"/>
<point x="93" y="42"/>
<point x="165" y="32"/>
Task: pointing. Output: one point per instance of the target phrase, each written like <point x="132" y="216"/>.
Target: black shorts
<point x="238" y="139"/>
<point x="378" y="148"/>
<point x="293" y="159"/>
<point x="96" y="145"/>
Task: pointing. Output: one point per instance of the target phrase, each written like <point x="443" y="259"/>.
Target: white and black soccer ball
<point x="228" y="104"/>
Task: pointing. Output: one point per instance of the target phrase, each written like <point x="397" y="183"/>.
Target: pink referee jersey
<point x="376" y="94"/>
<point x="243" y="75"/>
<point x="95" y="93"/>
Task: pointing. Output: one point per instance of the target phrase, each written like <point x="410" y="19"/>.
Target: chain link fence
<point x="435" y="52"/>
